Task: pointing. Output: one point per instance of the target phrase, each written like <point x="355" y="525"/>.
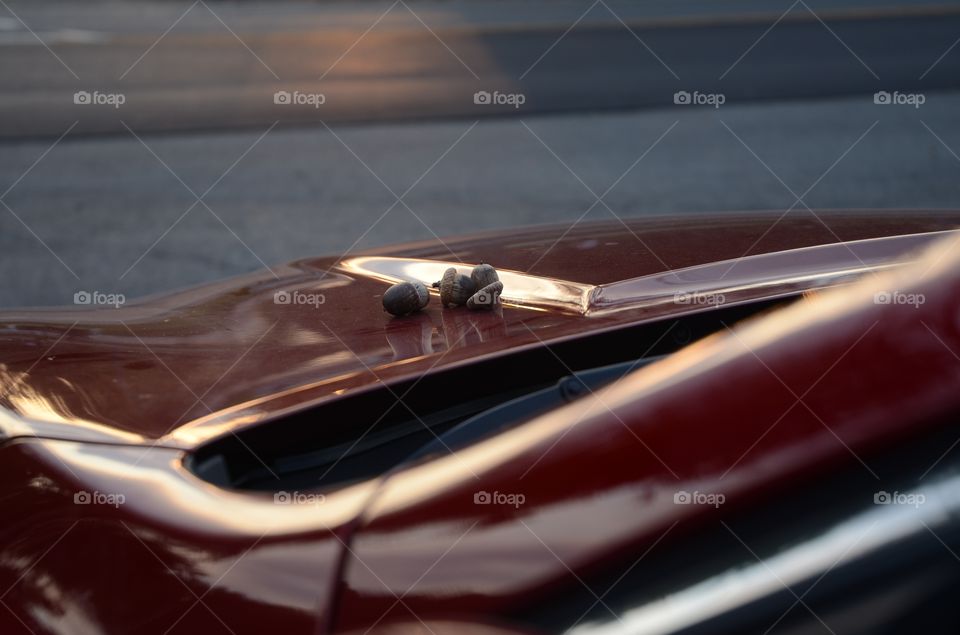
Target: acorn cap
<point x="483" y="275"/>
<point x="486" y="298"/>
<point x="455" y="288"/>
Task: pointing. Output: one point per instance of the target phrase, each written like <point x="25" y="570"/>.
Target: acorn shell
<point x="483" y="275"/>
<point x="405" y="297"/>
<point x="486" y="298"/>
<point x="455" y="288"/>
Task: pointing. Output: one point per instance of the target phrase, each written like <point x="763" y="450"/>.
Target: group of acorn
<point x="480" y="290"/>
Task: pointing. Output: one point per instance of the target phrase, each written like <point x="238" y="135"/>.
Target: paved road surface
<point x="426" y="61"/>
<point x="100" y="203"/>
<point x="115" y="209"/>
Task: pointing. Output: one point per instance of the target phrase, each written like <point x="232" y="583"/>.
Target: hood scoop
<point x="762" y="276"/>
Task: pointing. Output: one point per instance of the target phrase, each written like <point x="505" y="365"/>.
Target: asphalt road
<point x="118" y="219"/>
<point x="200" y="175"/>
<point x="173" y="69"/>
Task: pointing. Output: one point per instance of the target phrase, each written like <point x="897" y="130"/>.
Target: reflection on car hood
<point x="184" y="367"/>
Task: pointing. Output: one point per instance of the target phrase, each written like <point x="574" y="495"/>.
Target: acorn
<point x="405" y="297"/>
<point x="487" y="297"/>
<point x="455" y="288"/>
<point x="483" y="275"/>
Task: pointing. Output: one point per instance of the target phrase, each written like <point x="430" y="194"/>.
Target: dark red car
<point x="726" y="424"/>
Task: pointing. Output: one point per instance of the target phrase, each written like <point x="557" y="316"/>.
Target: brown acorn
<point x="483" y="275"/>
<point x="486" y="298"/>
<point x="455" y="288"/>
<point x="405" y="297"/>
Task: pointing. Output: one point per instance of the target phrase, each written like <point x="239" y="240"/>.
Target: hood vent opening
<point x="365" y="434"/>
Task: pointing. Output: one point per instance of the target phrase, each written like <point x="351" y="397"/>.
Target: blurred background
<point x="147" y="145"/>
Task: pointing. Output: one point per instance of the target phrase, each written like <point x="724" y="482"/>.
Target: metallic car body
<point x="109" y="402"/>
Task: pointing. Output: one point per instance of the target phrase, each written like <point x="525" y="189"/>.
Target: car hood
<point x="179" y="369"/>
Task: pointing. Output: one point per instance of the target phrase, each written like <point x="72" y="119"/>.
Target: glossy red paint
<point x="104" y="538"/>
<point x="183" y="367"/>
<point x="820" y="383"/>
<point x="107" y="406"/>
